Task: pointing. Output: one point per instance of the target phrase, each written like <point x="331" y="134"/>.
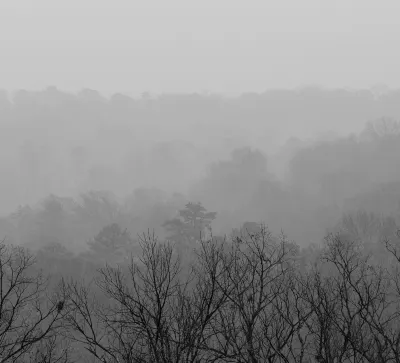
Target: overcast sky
<point x="198" y="45"/>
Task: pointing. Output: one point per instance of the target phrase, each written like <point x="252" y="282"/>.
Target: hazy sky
<point x="198" y="45"/>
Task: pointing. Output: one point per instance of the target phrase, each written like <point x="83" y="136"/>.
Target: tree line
<point x="253" y="297"/>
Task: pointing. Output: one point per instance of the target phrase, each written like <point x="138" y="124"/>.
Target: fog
<point x="226" y="46"/>
<point x="199" y="181"/>
<point x="296" y="160"/>
<point x="122" y="112"/>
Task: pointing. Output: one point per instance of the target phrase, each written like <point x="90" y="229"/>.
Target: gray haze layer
<point x="199" y="180"/>
<point x="158" y="103"/>
<point x="227" y="46"/>
<point x="294" y="159"/>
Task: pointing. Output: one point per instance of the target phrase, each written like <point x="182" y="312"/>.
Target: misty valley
<point x="195" y="227"/>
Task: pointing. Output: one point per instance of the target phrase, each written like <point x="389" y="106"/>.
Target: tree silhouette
<point x="191" y="225"/>
<point x="110" y="244"/>
<point x="31" y="320"/>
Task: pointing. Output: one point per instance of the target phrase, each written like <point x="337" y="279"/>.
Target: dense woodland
<point x="123" y="243"/>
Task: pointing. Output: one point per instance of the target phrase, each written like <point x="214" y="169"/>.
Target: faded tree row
<point x="253" y="299"/>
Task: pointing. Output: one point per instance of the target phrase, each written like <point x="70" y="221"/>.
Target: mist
<point x="261" y="111"/>
<point x="189" y="181"/>
<point x="219" y="46"/>
<point x="296" y="160"/>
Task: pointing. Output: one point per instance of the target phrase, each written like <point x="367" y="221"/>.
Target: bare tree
<point x="30" y="316"/>
<point x="261" y="316"/>
<point x="153" y="313"/>
<point x="352" y="308"/>
<point x="52" y="350"/>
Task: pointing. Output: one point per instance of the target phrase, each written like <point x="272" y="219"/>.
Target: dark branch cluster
<point x="248" y="300"/>
<point x="252" y="299"/>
